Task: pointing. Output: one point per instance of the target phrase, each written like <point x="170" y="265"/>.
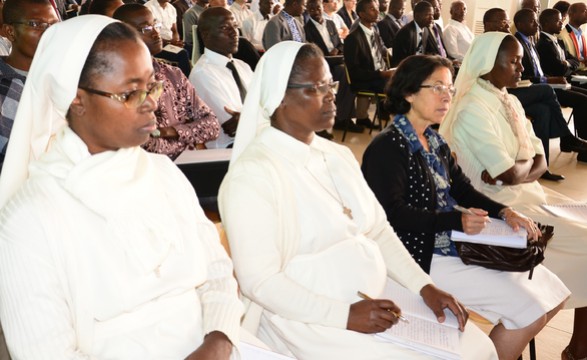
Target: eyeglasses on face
<point x="440" y="89"/>
<point x="132" y="99"/>
<point x="319" y="89"/>
<point x="147" y="29"/>
<point x="34" y="24"/>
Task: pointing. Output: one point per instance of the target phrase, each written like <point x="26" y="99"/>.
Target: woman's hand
<point x="372" y="316"/>
<point x="516" y="220"/>
<point x="474" y="223"/>
<point x="437" y="300"/>
<point x="216" y="346"/>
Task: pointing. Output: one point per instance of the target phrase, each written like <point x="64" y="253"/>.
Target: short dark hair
<point x="125" y="12"/>
<point x="422" y="6"/>
<point x="547" y="15"/>
<point x="362" y="4"/>
<point x="108" y="40"/>
<point x="13" y="9"/>
<point x="307" y="51"/>
<point x="562" y="6"/>
<point x="490" y="14"/>
<point x="99" y="7"/>
<point x="522" y="15"/>
<point x="408" y="77"/>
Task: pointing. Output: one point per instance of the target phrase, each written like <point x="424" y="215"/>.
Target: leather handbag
<point x="505" y="258"/>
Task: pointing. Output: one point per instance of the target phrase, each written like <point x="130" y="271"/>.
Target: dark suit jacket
<point x="406" y="43"/>
<point x="388" y="29"/>
<point x="553" y="64"/>
<point x="314" y="36"/>
<point x="346" y="18"/>
<point x="358" y="58"/>
<point x="529" y="68"/>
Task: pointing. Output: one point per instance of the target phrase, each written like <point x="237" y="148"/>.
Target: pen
<point x="367" y="297"/>
<point x="466" y="211"/>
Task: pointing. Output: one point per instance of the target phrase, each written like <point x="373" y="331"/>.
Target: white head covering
<point x="50" y="88"/>
<point x="265" y="93"/>
<point x="478" y="61"/>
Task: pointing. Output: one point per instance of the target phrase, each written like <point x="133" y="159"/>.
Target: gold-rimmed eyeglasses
<point x="132" y="99"/>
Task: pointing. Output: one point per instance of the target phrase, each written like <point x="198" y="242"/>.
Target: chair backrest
<point x="196" y="45"/>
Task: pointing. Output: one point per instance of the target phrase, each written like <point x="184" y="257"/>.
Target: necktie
<point x="419" y="47"/>
<point x="439" y="42"/>
<point x="378" y="60"/>
<point x="241" y="89"/>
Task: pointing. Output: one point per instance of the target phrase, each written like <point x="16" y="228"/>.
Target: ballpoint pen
<point x="367" y="297"/>
<point x="465" y="211"/>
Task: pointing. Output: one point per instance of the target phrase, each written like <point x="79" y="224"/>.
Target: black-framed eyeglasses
<point x="320" y="89"/>
<point x="440" y="89"/>
<point x="35" y="24"/>
<point x="132" y="99"/>
<point x="147" y="29"/>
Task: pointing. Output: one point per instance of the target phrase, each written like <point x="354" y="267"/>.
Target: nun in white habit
<point x="105" y="252"/>
<point x="305" y="230"/>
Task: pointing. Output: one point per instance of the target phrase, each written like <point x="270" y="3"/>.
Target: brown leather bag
<point x="505" y="258"/>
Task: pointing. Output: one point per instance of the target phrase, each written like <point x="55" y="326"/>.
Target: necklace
<point x="345" y="210"/>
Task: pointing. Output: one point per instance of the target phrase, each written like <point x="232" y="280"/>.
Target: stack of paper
<point x="498" y="233"/>
<point x="423" y="332"/>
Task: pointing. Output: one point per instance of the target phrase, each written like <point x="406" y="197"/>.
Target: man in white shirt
<point x="457" y="36"/>
<point x="240" y="11"/>
<point x="330" y="13"/>
<point x="164" y="12"/>
<point x="220" y="80"/>
<point x="254" y="26"/>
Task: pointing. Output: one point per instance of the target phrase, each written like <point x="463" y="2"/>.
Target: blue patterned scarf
<point x="444" y="202"/>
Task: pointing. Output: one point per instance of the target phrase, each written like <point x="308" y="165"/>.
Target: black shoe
<point x="325" y="134"/>
<point x="582" y="156"/>
<point x="572" y="143"/>
<point x="352" y="127"/>
<point x="366" y="122"/>
<point x="552" y="177"/>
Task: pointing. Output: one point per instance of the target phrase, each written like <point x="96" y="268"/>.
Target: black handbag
<point x="505" y="258"/>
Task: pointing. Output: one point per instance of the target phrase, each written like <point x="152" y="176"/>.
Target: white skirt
<point x="500" y="296"/>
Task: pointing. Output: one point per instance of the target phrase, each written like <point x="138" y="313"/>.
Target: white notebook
<point x="572" y="211"/>
<point x="497" y="232"/>
<point x="423" y="332"/>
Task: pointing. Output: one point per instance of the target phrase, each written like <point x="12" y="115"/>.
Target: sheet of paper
<point x="497" y="232"/>
<point x="252" y="352"/>
<point x="413" y="305"/>
<point x="573" y="211"/>
<point x="423" y="332"/>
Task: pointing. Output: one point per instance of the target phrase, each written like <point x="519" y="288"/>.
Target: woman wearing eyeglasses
<point x="104" y="250"/>
<point x="305" y="231"/>
<point x="411" y="170"/>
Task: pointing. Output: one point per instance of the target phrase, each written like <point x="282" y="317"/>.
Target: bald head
<point x="458" y="10"/>
<point x="219" y="30"/>
<point x="533" y="5"/>
<point x="578" y="14"/>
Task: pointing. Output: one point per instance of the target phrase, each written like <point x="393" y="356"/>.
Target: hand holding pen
<point x="396" y="314"/>
<point x="473" y="219"/>
<point x="372" y="316"/>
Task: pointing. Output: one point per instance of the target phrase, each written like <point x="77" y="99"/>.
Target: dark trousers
<point x="575" y="98"/>
<point x="540" y="103"/>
